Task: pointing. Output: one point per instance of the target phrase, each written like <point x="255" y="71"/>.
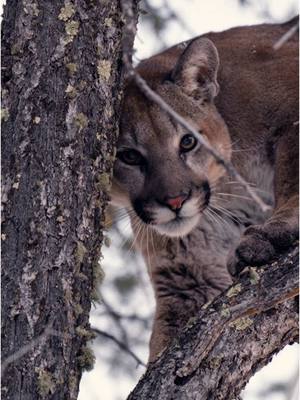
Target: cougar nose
<point x="175" y="203"/>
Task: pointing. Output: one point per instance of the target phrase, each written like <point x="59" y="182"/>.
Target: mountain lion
<point x="191" y="220"/>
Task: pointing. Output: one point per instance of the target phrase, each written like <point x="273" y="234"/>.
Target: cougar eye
<point x="130" y="157"/>
<point x="188" y="143"/>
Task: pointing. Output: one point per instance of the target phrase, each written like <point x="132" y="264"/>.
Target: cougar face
<point x="162" y="172"/>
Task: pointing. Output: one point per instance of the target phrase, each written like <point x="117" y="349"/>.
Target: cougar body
<point x="192" y="221"/>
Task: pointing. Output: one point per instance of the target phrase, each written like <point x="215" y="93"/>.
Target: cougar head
<point x="162" y="172"/>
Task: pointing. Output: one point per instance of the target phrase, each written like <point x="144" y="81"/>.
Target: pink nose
<point x="175" y="203"/>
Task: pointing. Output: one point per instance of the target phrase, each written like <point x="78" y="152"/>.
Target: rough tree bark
<point x="62" y="86"/>
<point x="217" y="352"/>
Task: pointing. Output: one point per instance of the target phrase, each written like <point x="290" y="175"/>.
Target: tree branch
<point x="122" y="345"/>
<point x="284" y="38"/>
<point x="217" y="352"/>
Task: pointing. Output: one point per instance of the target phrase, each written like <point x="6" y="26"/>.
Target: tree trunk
<point x="219" y="350"/>
<point x="62" y="86"/>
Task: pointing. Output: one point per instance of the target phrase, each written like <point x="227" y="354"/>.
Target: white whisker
<point x="218" y="218"/>
<point x="234" y="195"/>
<point x="226" y="212"/>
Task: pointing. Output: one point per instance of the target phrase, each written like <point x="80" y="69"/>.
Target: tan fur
<point x="243" y="96"/>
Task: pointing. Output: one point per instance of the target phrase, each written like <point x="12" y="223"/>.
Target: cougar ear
<point x="196" y="70"/>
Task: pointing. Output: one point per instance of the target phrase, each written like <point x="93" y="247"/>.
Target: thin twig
<point x="120" y="344"/>
<point x="174" y="15"/>
<point x="284" y="38"/>
<point x="151" y="95"/>
<point x="117" y="321"/>
<point x="115" y="314"/>
<point x="27" y="348"/>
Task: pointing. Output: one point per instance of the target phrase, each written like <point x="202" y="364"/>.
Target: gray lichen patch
<point x="68" y="292"/>
<point x="98" y="277"/>
<point x="46" y="383"/>
<point x="87" y="359"/>
<point x="72" y="68"/>
<point x="72" y="28"/>
<point x="73" y="380"/>
<point x="16" y="184"/>
<point x="241" y="323"/>
<point x="82" y="85"/>
<point x="108" y="112"/>
<point x="36" y="120"/>
<point x="67" y="11"/>
<point x="4" y="114"/>
<point x="103" y="182"/>
<point x="60" y="219"/>
<point x="225" y="312"/>
<point x="108" y="22"/>
<point x="81" y="121"/>
<point x="70" y="117"/>
<point x="104" y="69"/>
<point x="254" y="276"/>
<point x="191" y="322"/>
<point x="71" y="91"/>
<point x="88" y="334"/>
<point x="99" y="136"/>
<point x="31" y="8"/>
<point x="80" y="252"/>
<point x="215" y="362"/>
<point x="234" y="290"/>
<point x="78" y="310"/>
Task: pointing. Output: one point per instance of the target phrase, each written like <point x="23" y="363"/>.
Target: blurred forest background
<point x="122" y="318"/>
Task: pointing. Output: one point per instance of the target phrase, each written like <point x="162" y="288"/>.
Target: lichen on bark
<point x="54" y="103"/>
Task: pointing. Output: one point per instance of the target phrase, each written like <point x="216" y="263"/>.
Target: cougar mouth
<point x="172" y="222"/>
<point x="177" y="227"/>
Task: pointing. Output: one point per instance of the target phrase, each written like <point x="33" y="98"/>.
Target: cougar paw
<point x="259" y="245"/>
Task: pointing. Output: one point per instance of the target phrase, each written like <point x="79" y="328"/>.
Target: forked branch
<point x="121" y="345"/>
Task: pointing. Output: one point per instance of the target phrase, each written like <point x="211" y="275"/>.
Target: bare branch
<point x="246" y="306"/>
<point x="284" y="38"/>
<point x="117" y="319"/>
<point x="122" y="345"/>
<point x="119" y="316"/>
<point x="230" y="339"/>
